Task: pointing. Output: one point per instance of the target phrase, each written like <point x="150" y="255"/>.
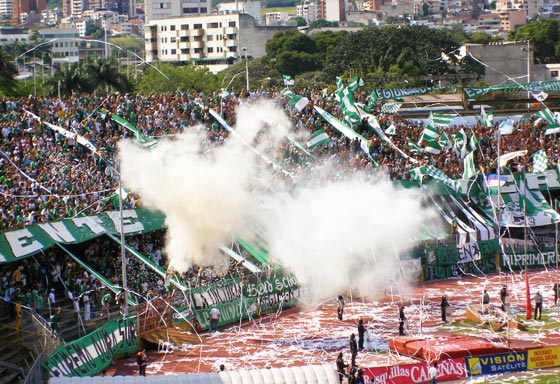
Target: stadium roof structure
<point x="312" y="374"/>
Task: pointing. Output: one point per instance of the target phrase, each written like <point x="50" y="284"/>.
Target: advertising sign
<point x="498" y="363"/>
<point x="448" y="369"/>
<point x="543" y="358"/>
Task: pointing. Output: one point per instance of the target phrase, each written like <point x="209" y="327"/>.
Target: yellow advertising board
<point x="543" y="358"/>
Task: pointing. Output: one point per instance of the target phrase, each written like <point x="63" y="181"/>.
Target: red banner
<point x="448" y="369"/>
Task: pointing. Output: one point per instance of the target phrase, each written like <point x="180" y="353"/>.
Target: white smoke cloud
<point x="333" y="236"/>
<point x="204" y="191"/>
<point x="344" y="234"/>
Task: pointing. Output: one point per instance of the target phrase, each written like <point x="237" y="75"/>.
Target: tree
<point x="321" y="23"/>
<point x="375" y="50"/>
<point x="170" y="78"/>
<point x="544" y="37"/>
<point x="295" y="53"/>
<point x="300" y="21"/>
<point x="103" y="74"/>
<point x="8" y="72"/>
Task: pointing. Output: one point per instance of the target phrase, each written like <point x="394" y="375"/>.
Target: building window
<point x="212" y="25"/>
<point x="173" y="51"/>
<point x="210" y="50"/>
<point x="553" y="73"/>
<point x="231" y="24"/>
<point x="210" y="38"/>
<point x="197" y="26"/>
<point x="172" y="28"/>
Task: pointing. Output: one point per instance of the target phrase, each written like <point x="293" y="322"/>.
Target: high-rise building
<point x="20" y="7"/>
<point x="6" y="9"/>
<point x="335" y="10"/>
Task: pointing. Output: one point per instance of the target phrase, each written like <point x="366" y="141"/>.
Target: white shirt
<point x="432" y="372"/>
<point x="215" y="313"/>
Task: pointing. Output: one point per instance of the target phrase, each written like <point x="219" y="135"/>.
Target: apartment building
<point x="309" y="11"/>
<point x="169" y="9"/>
<point x="65" y="45"/>
<point x="214" y="41"/>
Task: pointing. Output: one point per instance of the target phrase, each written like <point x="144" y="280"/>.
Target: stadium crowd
<point x="45" y="176"/>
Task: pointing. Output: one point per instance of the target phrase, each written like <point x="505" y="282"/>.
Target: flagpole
<point x="123" y="252"/>
<point x="527" y="288"/>
<point x="556" y="255"/>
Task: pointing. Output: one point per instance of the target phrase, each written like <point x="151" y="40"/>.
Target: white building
<point x="253" y="8"/>
<point x="11" y="35"/>
<point x="309" y="11"/>
<point x="6" y="9"/>
<point x="214" y="41"/>
<point x="335" y="10"/>
<point x="169" y="9"/>
<point x="65" y="49"/>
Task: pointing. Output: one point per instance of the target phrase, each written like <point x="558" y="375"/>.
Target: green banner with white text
<point x="94" y="352"/>
<point x="21" y="243"/>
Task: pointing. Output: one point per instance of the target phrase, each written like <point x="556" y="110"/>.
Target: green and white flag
<point x="460" y="143"/>
<point x="288" y="80"/>
<point x="390" y="108"/>
<point x="473" y="142"/>
<point x="430" y="133"/>
<point x="440" y="119"/>
<point x="346" y="99"/>
<point x="355" y="84"/>
<point x="439" y="175"/>
<point x="417" y="174"/>
<point x="391" y="130"/>
<point x="547" y="115"/>
<point x="444" y="141"/>
<point x="433" y="147"/>
<point x="296" y="101"/>
<point x="487" y="117"/>
<point x="540" y="161"/>
<point x="318" y="137"/>
<point x="413" y="147"/>
<point x="468" y="166"/>
<point x="541" y="96"/>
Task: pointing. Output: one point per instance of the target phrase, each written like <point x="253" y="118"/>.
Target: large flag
<point x="547" y="115"/>
<point x="494" y="181"/>
<point x="487" y="117"/>
<point x="288" y="80"/>
<point x="473" y="142"/>
<point x="433" y="147"/>
<point x="440" y="119"/>
<point x="460" y="143"/>
<point x="296" y="101"/>
<point x="503" y="160"/>
<point x="318" y="137"/>
<point x="417" y="174"/>
<point x="506" y="127"/>
<point x="540" y="161"/>
<point x="390" y="108"/>
<point x="444" y="141"/>
<point x="391" y="130"/>
<point x="355" y="84"/>
<point x="346" y="99"/>
<point x="430" y="133"/>
<point x="439" y="175"/>
<point x="468" y="166"/>
<point x="412" y="146"/>
<point x="541" y="96"/>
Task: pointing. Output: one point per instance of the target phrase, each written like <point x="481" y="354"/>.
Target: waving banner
<point x="552" y="86"/>
<point x="36" y="238"/>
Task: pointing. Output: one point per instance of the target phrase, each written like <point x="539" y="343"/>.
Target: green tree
<point x="166" y="77"/>
<point x="544" y="37"/>
<point x="8" y="72"/>
<point x="375" y="50"/>
<point x="300" y="21"/>
<point x="294" y="53"/>
<point x="480" y="37"/>
<point x="321" y="23"/>
<point x="103" y="75"/>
